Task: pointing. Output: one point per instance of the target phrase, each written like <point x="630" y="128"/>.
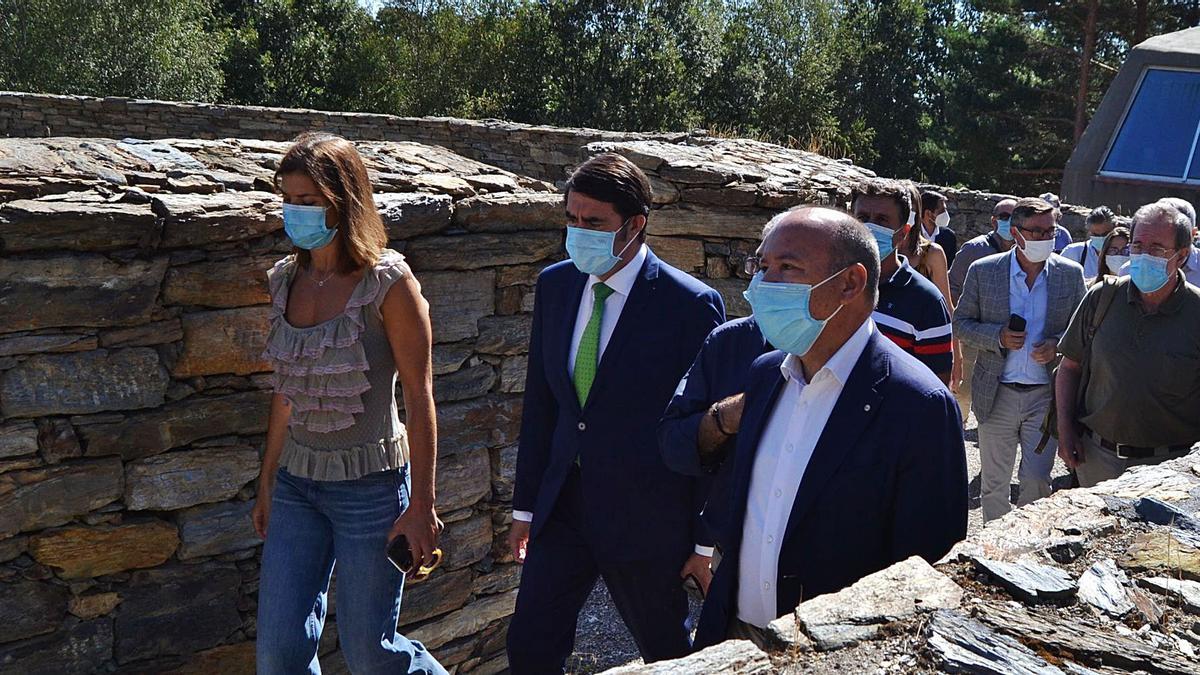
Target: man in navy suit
<point x="850" y="452"/>
<point x="614" y="329"/>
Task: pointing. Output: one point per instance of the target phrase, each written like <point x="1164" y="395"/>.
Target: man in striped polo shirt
<point x="911" y="310"/>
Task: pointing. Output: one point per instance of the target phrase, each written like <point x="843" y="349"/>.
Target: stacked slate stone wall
<point x="537" y="151"/>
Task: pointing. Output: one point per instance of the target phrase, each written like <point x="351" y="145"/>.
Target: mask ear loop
<point x="624" y="226"/>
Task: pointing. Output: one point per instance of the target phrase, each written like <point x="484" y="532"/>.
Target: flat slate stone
<point x="1161" y="552"/>
<point x="75" y="225"/>
<point x="731" y="656"/>
<point x="964" y="645"/>
<point x="224" y="341"/>
<point x="1087" y="641"/>
<point x="457" y="301"/>
<point x="414" y="214"/>
<point x="215" y="529"/>
<point x="31" y="608"/>
<point x="83" y="383"/>
<point x="77" y="649"/>
<point x="1029" y="581"/>
<point x="77" y="290"/>
<point x="82" y="552"/>
<point x="177" y="611"/>
<point x="510" y="212"/>
<point x="463" y="479"/>
<point x="20" y="438"/>
<point x="1105" y="587"/>
<point x="479" y="250"/>
<point x="466" y="542"/>
<point x="186" y="478"/>
<point x="199" y="220"/>
<point x="1186" y="590"/>
<point x="236" y="282"/>
<point x="54" y="495"/>
<point x="178" y="424"/>
<point x="466" y="621"/>
<point x="858" y="612"/>
<point x="1159" y="512"/>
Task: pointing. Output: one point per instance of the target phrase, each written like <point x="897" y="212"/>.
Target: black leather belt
<point x="1134" y="452"/>
<point x="1021" y="386"/>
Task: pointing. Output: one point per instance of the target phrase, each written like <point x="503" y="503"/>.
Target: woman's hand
<point x="421" y="527"/>
<point x="262" y="505"/>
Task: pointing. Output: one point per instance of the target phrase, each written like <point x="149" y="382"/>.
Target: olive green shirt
<point x="1144" y="386"/>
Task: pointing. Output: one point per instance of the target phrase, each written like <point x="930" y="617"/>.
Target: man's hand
<point x="420" y="526"/>
<point x="1070" y="447"/>
<point x="699" y="566"/>
<point x="956" y="375"/>
<point x="730" y="411"/>
<point x="1045" y="352"/>
<point x="1011" y="339"/>
<point x="518" y="540"/>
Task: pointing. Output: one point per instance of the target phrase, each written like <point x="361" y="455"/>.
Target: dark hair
<point x="1100" y="214"/>
<point x="903" y="192"/>
<point x="615" y="180"/>
<point x="1028" y="207"/>
<point x="930" y="200"/>
<point x="335" y="167"/>
<point x="1102" y="261"/>
<point x="850" y="243"/>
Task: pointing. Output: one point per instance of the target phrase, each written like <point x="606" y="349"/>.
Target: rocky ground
<point x="602" y="642"/>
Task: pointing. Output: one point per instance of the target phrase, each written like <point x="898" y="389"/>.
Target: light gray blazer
<point x="983" y="310"/>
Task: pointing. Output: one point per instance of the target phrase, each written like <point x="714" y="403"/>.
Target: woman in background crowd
<point x="1114" y="253"/>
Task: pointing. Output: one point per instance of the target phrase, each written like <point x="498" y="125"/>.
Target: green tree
<point x="167" y="49"/>
<point x="324" y="54"/>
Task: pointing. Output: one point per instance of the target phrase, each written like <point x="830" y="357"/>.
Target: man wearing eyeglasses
<point x="1142" y="389"/>
<point x="1013" y="309"/>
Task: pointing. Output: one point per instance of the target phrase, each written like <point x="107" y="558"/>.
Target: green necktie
<point x="588" y="355"/>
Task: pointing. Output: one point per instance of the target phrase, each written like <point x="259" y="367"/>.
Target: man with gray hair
<point x="1191" y="268"/>
<point x="1128" y="387"/>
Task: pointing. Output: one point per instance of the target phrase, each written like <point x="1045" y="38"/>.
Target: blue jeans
<point x="312" y="524"/>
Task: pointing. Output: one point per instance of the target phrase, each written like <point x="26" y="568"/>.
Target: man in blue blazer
<point x="614" y="329"/>
<point x="850" y="452"/>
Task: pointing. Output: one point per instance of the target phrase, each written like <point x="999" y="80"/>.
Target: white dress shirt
<point x="621" y="283"/>
<point x="1030" y="303"/>
<point x="1083" y="253"/>
<point x="789" y="438"/>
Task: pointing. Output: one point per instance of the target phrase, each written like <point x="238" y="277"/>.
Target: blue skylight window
<point x="1157" y="138"/>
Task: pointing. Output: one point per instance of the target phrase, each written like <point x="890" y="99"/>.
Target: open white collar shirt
<point x="622" y="285"/>
<point x="784" y="450"/>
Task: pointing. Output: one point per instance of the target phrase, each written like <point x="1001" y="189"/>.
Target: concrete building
<point x="1141" y="144"/>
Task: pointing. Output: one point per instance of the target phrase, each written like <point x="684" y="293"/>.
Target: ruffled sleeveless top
<point x="340" y="378"/>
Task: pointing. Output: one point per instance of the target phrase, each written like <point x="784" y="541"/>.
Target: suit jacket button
<point x="867" y="408"/>
<point x="582" y="426"/>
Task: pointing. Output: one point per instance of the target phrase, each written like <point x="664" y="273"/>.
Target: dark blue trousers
<point x="559" y="573"/>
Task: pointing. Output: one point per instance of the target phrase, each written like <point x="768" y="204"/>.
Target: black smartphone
<point x="1016" y="323"/>
<point x="400" y="553"/>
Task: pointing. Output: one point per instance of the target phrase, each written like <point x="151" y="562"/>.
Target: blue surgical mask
<point x="1097" y="242"/>
<point x="883" y="239"/>
<point x="1148" y="272"/>
<point x="1004" y="229"/>
<point x="305" y="226"/>
<point x="782" y="312"/>
<point x="592" y="250"/>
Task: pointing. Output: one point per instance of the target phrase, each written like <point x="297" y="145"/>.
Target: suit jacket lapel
<point x="851" y="416"/>
<point x="754" y="421"/>
<point x="627" y="325"/>
<point x="566" y="331"/>
<point x="1003" y="279"/>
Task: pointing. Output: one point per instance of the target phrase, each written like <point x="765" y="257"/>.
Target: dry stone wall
<point x="538" y="151"/>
